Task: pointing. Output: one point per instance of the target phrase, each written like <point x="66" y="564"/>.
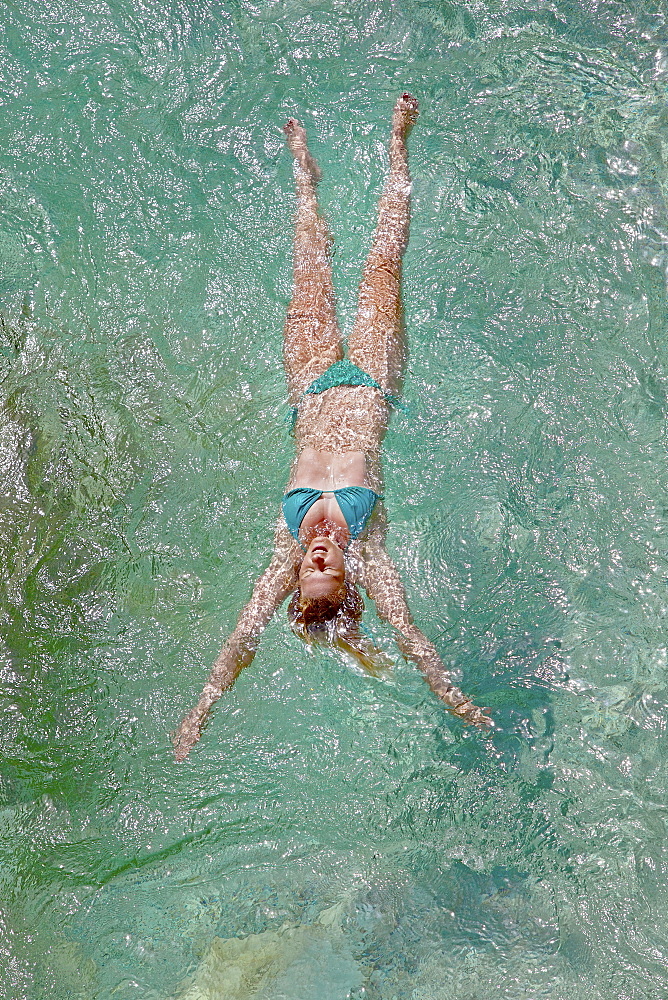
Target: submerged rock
<point x="286" y="964"/>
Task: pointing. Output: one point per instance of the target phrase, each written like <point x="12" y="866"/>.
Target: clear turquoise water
<point x="145" y="209"/>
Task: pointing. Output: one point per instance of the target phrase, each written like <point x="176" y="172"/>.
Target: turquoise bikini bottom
<point x="346" y="373"/>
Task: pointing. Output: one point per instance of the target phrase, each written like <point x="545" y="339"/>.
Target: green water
<point x="145" y="211"/>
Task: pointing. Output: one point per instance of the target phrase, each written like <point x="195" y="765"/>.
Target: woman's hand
<point x="456" y="700"/>
<point x="190" y="730"/>
<point x="472" y="714"/>
<point x="462" y="706"/>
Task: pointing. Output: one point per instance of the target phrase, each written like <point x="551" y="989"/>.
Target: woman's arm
<point x="380" y="578"/>
<point x="238" y="652"/>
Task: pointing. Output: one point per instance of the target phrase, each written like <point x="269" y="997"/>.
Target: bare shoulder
<point x="286" y="550"/>
<point x="375" y="536"/>
<point x="366" y="556"/>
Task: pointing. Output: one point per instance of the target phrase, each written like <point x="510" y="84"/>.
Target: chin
<point x="330" y="531"/>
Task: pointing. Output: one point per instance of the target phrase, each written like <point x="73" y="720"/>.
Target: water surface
<point x="344" y="824"/>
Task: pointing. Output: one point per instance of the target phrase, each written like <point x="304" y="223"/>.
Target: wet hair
<point x="334" y="620"/>
<point x="328" y="618"/>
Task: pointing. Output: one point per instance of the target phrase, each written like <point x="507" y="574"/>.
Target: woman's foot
<point x="296" y="139"/>
<point x="404" y="115"/>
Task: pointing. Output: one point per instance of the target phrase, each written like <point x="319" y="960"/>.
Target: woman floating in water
<point x="331" y="536"/>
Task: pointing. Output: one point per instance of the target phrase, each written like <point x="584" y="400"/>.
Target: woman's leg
<point x="312" y="340"/>
<point x="376" y="343"/>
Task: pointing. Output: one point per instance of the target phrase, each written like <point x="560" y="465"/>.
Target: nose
<point x="318" y="559"/>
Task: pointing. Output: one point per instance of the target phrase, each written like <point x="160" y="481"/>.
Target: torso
<point x="338" y="435"/>
<point x="329" y="470"/>
<point x="342" y="420"/>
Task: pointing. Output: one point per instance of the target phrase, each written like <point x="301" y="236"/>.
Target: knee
<point x="382" y="281"/>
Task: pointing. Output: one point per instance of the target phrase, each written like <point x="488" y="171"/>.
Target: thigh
<point x="312" y="339"/>
<point x="377" y="343"/>
<point x="310" y="346"/>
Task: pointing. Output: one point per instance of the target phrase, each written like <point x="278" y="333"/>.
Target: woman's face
<point x="322" y="571"/>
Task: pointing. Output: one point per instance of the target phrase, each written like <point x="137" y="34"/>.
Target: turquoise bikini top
<point x="356" y="503"/>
